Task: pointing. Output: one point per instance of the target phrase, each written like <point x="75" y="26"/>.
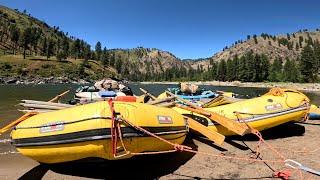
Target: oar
<point x="22" y="118"/>
<point x="42" y="106"/>
<point x="211" y="135"/>
<point x="224" y="121"/>
<point x="46" y="103"/>
<point x="149" y="94"/>
<point x="27" y="115"/>
<point x="158" y="101"/>
<point x="56" y="99"/>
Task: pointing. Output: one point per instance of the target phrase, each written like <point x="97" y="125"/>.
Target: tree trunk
<point x="24" y="53"/>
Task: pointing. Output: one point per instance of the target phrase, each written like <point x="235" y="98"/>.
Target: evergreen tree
<point x="300" y="41"/>
<point x="250" y="67"/>
<point x="255" y="39"/>
<point x="288" y="36"/>
<point x="50" y="48"/>
<point x="44" y="47"/>
<point x="213" y="70"/>
<point x="265" y="65"/>
<point x="235" y="68"/>
<point x="308" y="65"/>
<point x="275" y="73"/>
<point x="104" y="59"/>
<point x="75" y="49"/>
<point x="222" y="70"/>
<point x="98" y="50"/>
<point x="229" y="70"/>
<point x="65" y="47"/>
<point x="290" y="72"/>
<point x="257" y="68"/>
<point x="26" y="40"/>
<point x="316" y="50"/>
<point x="243" y="69"/>
<point x="15" y="36"/>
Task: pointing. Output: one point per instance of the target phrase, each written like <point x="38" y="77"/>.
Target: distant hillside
<point x="288" y="46"/>
<point x="22" y="34"/>
<point x="31" y="48"/>
<point x="147" y="63"/>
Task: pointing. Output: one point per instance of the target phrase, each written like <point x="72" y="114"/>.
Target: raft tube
<point x="85" y="131"/>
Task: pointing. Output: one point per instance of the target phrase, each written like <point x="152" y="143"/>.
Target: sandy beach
<point x="309" y="87"/>
<point x="289" y="139"/>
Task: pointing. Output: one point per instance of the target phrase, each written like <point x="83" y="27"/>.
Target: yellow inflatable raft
<point x="270" y="110"/>
<point x="85" y="131"/>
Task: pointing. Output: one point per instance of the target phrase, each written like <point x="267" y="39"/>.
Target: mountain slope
<point x="283" y="46"/>
<point x="42" y="46"/>
<point x="21" y="33"/>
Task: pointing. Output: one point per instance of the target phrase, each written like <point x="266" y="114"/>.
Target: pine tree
<point x="15" y="36"/>
<point x="26" y="40"/>
<point x="222" y="70"/>
<point x="243" y="69"/>
<point x="290" y="71"/>
<point x="286" y="70"/>
<point x="229" y="70"/>
<point x="255" y="39"/>
<point x="265" y="65"/>
<point x="98" y="50"/>
<point x="75" y="49"/>
<point x="50" y="48"/>
<point x="257" y="68"/>
<point x="316" y="50"/>
<point x="300" y="41"/>
<point x="235" y="68"/>
<point x="250" y="67"/>
<point x="65" y="47"/>
<point x="104" y="59"/>
<point x="308" y="65"/>
<point x="275" y="73"/>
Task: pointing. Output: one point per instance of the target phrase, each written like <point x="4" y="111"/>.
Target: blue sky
<point x="187" y="28"/>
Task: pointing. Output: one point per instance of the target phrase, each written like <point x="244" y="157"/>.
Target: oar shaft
<point x="147" y="93"/>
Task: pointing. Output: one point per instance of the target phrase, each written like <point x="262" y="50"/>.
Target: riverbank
<point x="311" y="87"/>
<point x="39" y="80"/>
<point x="294" y="141"/>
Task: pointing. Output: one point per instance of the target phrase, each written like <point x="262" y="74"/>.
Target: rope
<point x="178" y="147"/>
<point x="116" y="130"/>
<point x="114" y="134"/>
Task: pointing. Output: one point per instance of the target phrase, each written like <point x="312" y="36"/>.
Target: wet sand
<point x="182" y="165"/>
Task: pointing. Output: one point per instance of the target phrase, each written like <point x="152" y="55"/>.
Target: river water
<point x="10" y="95"/>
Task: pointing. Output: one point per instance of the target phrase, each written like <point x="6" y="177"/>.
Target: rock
<point x="82" y="81"/>
<point x="11" y="81"/>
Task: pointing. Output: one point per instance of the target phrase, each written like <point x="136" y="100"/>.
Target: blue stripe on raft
<point x="314" y="116"/>
<point x="107" y="93"/>
<point x="206" y="95"/>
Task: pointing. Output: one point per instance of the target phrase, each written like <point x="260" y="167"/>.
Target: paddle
<point x="147" y="93"/>
<point x="29" y="114"/>
<point x="211" y="135"/>
<point x="224" y="121"/>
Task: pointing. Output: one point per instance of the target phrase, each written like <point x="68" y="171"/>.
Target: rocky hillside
<point x="32" y="48"/>
<point x="22" y="34"/>
<point x="273" y="46"/>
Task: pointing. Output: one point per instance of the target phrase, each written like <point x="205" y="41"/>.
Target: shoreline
<point x="309" y="87"/>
